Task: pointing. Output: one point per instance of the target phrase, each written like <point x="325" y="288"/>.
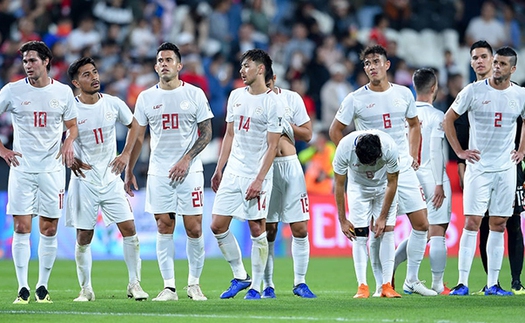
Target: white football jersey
<point x="386" y="111"/>
<point x="346" y="161"/>
<point x="96" y="144"/>
<point x="38" y="116"/>
<point x="431" y="121"/>
<point x="492" y="117"/>
<point x="173" y="117"/>
<point x="253" y="116"/>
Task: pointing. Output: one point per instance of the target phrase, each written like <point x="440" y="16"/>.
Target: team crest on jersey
<point x="54" y="103"/>
<point x="397" y="102"/>
<point x="288" y="112"/>
<point x="258" y="110"/>
<point x="184" y="105"/>
<point x="513" y="104"/>
<point x="109" y="116"/>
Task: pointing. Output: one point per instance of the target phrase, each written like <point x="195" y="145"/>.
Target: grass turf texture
<point x="332" y="279"/>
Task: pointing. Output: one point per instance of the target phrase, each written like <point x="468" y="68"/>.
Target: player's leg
<point x="387" y="246"/>
<point x="276" y="208"/>
<point x="195" y="253"/>
<point x="165" y="255"/>
<point x="515" y="250"/>
<point x="301" y="258"/>
<point x="360" y="256"/>
<point x="268" y="285"/>
<point x="84" y="261"/>
<point x="438" y="256"/>
<point x="483" y="236"/>
<point x="259" y="256"/>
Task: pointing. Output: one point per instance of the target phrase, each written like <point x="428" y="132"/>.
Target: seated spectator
<point x="317" y="159"/>
<point x="377" y="34"/>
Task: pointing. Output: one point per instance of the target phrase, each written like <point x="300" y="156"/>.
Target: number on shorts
<point x="261" y="205"/>
<point x="60" y="201"/>
<point x="196" y="198"/>
<point x="304" y="204"/>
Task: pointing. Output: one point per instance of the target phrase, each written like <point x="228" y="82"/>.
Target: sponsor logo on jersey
<point x="198" y="188"/>
<point x="25" y="103"/>
<point x="485" y="102"/>
<point x="54" y="103"/>
<point x="82" y="121"/>
<point x="155" y="107"/>
<point x="184" y="105"/>
<point x="370" y="106"/>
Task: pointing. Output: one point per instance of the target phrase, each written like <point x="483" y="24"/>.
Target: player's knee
<point x="362" y="232"/>
<point x="271" y="231"/>
<point x="194" y="232"/>
<point x="300" y="232"/>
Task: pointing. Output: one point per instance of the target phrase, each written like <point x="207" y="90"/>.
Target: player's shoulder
<point x="401" y="89"/>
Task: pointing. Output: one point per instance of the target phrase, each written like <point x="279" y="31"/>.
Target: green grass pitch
<point x="332" y="279"/>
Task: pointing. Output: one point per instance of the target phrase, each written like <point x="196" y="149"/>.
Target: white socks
<point x="232" y="253"/>
<point x="47" y="253"/>
<point x="401" y="253"/>
<point x="131" y="250"/>
<point x="495" y="249"/>
<point x="375" y="262"/>
<point x="165" y="254"/>
<point x="467" y="248"/>
<point x="417" y="243"/>
<point x="386" y="255"/>
<point x="360" y="255"/>
<point x="259" y="258"/>
<point x="195" y="253"/>
<point x="438" y="261"/>
<point x="268" y="271"/>
<point x="301" y="257"/>
<point x="84" y="264"/>
<point x="21" y="251"/>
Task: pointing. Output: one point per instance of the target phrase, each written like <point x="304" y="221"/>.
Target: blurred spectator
<point x="398" y="13"/>
<point x="85" y="35"/>
<point x="377" y="34"/>
<point x="403" y="74"/>
<point x="345" y="21"/>
<point x="300" y="43"/>
<point x="26" y="30"/>
<point x="436" y="15"/>
<point x="218" y="73"/>
<point x="317" y="160"/>
<point x="43" y="13"/>
<point x="486" y="27"/>
<point x="7" y="18"/>
<point x="246" y="40"/>
<point x="333" y="92"/>
<point x="449" y="68"/>
<point x="143" y="41"/>
<point x="512" y="27"/>
<point x="58" y="32"/>
<point x="299" y="86"/>
<point x="317" y="75"/>
<point x="259" y="13"/>
<point x="60" y="65"/>
<point x="330" y="50"/>
<point x="193" y="73"/>
<point x="219" y="24"/>
<point x="277" y="48"/>
<point x="114" y="12"/>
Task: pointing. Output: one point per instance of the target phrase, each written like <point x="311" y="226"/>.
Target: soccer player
<point x="254" y="124"/>
<point x="179" y="118"/>
<point x="369" y="158"/>
<point x="493" y="105"/>
<point x="100" y="186"/>
<point x="432" y="173"/>
<point x="386" y="106"/>
<point x="40" y="107"/>
<point x="289" y="200"/>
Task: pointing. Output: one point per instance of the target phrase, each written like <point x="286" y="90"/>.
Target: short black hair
<point x="481" y="44"/>
<point x="423" y="79"/>
<point x="41" y="48"/>
<point x="268" y="76"/>
<point x="508" y="52"/>
<point x="368" y="148"/>
<point x="374" y="49"/>
<point x="259" y="56"/>
<point x="170" y="46"/>
<point x="72" y="71"/>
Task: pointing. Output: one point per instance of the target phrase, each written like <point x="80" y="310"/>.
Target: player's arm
<point x="339" y="190"/>
<point x="517" y="156"/>
<point x="336" y="131"/>
<point x="437" y="160"/>
<point x="129" y="177"/>
<point x="9" y="155"/>
<point x="452" y="137"/>
<point x="255" y="187"/>
<point x="303" y="132"/>
<point x="390" y="193"/>
<point x="121" y="161"/>
<point x="67" y="148"/>
<point x="180" y="169"/>
<point x="226" y="148"/>
<point x="414" y="139"/>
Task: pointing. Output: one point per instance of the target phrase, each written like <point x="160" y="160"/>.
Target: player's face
<point x="249" y="71"/>
<point x="502" y="68"/>
<point x="88" y="80"/>
<point x="167" y="65"/>
<point x="481" y="61"/>
<point x="34" y="67"/>
<point x="376" y="67"/>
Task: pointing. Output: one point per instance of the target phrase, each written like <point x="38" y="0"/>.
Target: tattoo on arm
<point x="203" y="140"/>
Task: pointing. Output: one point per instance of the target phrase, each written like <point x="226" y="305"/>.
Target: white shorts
<point x="84" y="200"/>
<point x="183" y="198"/>
<point x="492" y="191"/>
<point x="410" y="195"/>
<point x="289" y="201"/>
<point x="441" y="215"/>
<point x="365" y="203"/>
<point x="36" y="193"/>
<point x="230" y="198"/>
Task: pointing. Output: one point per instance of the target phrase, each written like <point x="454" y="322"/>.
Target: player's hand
<point x="348" y="229"/>
<point x="216" y="181"/>
<point x="77" y="166"/>
<point x="254" y="190"/>
<point x="439" y="196"/>
<point x="516" y="156"/>
<point x="119" y="163"/>
<point x="67" y="153"/>
<point x="415" y="164"/>
<point x="470" y="155"/>
<point x="10" y="157"/>
<point x="130" y="182"/>
<point x="179" y="170"/>
<point x="379" y="226"/>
